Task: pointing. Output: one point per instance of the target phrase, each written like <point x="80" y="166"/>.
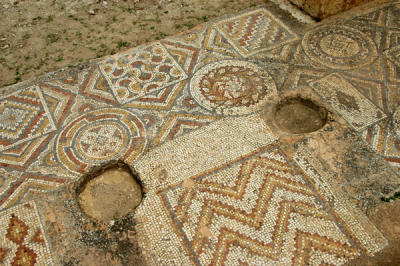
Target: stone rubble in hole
<point x="110" y="195"/>
<point x="297" y="116"/>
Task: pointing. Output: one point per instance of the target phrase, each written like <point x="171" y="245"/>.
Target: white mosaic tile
<point x="347" y="101"/>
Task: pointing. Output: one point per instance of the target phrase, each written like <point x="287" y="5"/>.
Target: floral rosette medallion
<point x="232" y="87"/>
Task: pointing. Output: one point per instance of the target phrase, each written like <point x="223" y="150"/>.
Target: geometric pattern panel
<point x="215" y="48"/>
<point x="95" y="86"/>
<point x="193" y="38"/>
<point x="14" y="192"/>
<point x="23" y="239"/>
<point x="24" y="116"/>
<point x="392" y="39"/>
<point x="373" y="90"/>
<point x="300" y="76"/>
<point x="214" y="41"/>
<point x="232" y="87"/>
<point x="347" y="101"/>
<point x="394" y="55"/>
<point x="372" y="72"/>
<point x="261" y="211"/>
<point x="71" y="83"/>
<point x="22" y="155"/>
<point x="186" y="56"/>
<point x="99" y="136"/>
<point x="384" y="138"/>
<point x="393" y="96"/>
<point x="58" y="100"/>
<point x="394" y="16"/>
<point x="47" y="164"/>
<point x="141" y="71"/>
<point x="339" y="47"/>
<point x="220" y="194"/>
<point x="282" y="54"/>
<point x="162" y="99"/>
<point x="255" y="32"/>
<point x="392" y="68"/>
<point x="375" y="18"/>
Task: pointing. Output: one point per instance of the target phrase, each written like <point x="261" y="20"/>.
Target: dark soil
<point x="297" y="116"/>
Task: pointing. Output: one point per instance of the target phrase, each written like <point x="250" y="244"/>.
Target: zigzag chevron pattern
<point x="216" y="42"/>
<point x="260" y="208"/>
<point x="255" y="32"/>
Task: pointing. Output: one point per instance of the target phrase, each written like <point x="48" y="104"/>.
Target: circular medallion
<point x="99" y="136"/>
<point x="339" y="47"/>
<point x="100" y="141"/>
<point x="232" y="87"/>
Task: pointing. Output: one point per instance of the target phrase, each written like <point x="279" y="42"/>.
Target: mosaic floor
<point x="223" y="185"/>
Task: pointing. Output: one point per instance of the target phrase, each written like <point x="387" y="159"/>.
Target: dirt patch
<point x="40" y="36"/>
<point x="386" y="218"/>
<point x="297" y="115"/>
<point x="320" y="9"/>
<point x="112" y="194"/>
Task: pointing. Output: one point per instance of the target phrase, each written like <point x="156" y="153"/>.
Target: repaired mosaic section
<point x="178" y="123"/>
<point x="23" y="240"/>
<point x="96" y="86"/>
<point x="347" y="101"/>
<point x="392" y="72"/>
<point x="184" y="55"/>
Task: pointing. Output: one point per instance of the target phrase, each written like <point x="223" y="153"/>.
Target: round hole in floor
<point x="109" y="193"/>
<point x="298" y="115"/>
